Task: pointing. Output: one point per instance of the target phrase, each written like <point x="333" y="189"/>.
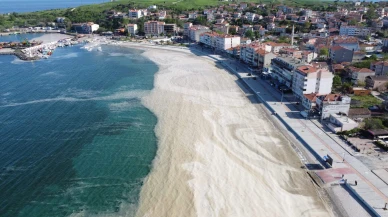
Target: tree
<point x="346" y="87"/>
<point x="337" y="81"/>
<point x="249" y="34"/>
<point x="371" y="14"/>
<point x="353" y="22"/>
<point x="324" y="52"/>
<point x="373" y="123"/>
<point x="361" y="83"/>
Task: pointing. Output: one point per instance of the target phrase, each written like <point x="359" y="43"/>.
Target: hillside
<point x="96" y="13"/>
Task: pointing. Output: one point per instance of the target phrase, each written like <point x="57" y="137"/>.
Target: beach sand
<point x="218" y="154"/>
<point x="51" y="37"/>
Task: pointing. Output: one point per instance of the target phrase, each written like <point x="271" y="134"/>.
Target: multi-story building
<point x="283" y="68"/>
<point x="332" y="104"/>
<point x="354" y="31"/>
<point x="224" y="42"/>
<point x="169" y="28"/>
<point x="135" y="14"/>
<point x="308" y="79"/>
<point x="196" y="31"/>
<point x="339" y="54"/>
<point x="153" y="27"/>
<point x="380" y="68"/>
<point x="219" y="41"/>
<point x="186" y="28"/>
<point x="132" y="29"/>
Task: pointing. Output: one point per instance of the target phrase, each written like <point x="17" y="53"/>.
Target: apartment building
<point x="132" y="29"/>
<point x="154" y="27"/>
<point x="354" y="31"/>
<point x="283" y="68"/>
<point x="339" y="54"/>
<point x="219" y="41"/>
<point x="308" y="79"/>
<point x="169" y="28"/>
<point x="186" y="28"/>
<point x="194" y="32"/>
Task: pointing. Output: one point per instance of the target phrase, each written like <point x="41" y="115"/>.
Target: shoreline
<point x="193" y="102"/>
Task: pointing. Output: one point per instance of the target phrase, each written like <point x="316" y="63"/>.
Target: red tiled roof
<point x="307" y="69"/>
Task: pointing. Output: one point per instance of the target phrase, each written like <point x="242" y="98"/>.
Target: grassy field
<point x="367" y="101"/>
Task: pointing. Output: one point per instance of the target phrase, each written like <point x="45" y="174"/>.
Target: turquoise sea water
<point x="74" y="136"/>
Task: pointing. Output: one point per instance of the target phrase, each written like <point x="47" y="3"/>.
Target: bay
<point x="74" y="136"/>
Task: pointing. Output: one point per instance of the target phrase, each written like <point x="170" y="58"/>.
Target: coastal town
<point x="322" y="74"/>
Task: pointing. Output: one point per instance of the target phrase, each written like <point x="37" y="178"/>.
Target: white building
<point x="153" y="7"/>
<point x="354" y="31"/>
<point x="162" y="15"/>
<point x="339" y="123"/>
<point x="60" y="19"/>
<point x="196" y="31"/>
<point x="135" y="14"/>
<point x="283" y="69"/>
<point x="153" y="27"/>
<point x="308" y="79"/>
<point x="219" y="41"/>
<point x="132" y="29"/>
<point x="250" y="16"/>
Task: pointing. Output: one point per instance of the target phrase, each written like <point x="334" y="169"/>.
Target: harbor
<point x="38" y="48"/>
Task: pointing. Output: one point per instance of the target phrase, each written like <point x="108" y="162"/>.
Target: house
<point x="350" y="43"/>
<point x="132" y="29"/>
<point x="359" y="75"/>
<point x="309" y="79"/>
<point x="264" y="58"/>
<point x="359" y="114"/>
<point x="309" y="101"/>
<point x="377" y="82"/>
<point x="135" y="14"/>
<point x="378" y="133"/>
<point x="339" y="123"/>
<point x="339" y="54"/>
<point x="332" y="104"/>
<point x="380" y="67"/>
<point x="291" y="52"/>
<point x="85" y="28"/>
<point x="360" y="91"/>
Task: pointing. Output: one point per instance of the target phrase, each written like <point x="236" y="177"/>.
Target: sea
<point x="20" y="6"/>
<point x="75" y="139"/>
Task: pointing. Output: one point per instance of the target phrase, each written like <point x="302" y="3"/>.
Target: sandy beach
<point x="218" y="154"/>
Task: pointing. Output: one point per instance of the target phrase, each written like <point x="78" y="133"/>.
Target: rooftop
<point x="307" y="69"/>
